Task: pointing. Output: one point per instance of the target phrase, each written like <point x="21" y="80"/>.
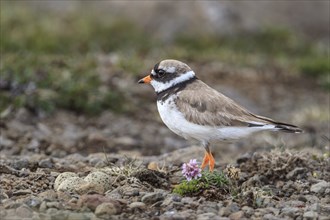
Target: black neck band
<point x="165" y="94"/>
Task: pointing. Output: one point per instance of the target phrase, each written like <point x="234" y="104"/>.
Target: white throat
<point x="161" y="86"/>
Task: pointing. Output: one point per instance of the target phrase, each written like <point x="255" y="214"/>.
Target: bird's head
<point x="168" y="73"/>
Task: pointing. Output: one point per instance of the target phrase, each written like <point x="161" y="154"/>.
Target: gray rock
<point x="46" y="163"/>
<point x="315" y="207"/>
<point x="187" y="200"/>
<point x="3" y="213"/>
<point x="22" y="192"/>
<point x="325" y="208"/>
<point x="167" y="202"/>
<point x="175" y="215"/>
<point x="290" y="212"/>
<point x="33" y="202"/>
<point x="24" y="211"/>
<point x="3" y="196"/>
<point x="130" y="191"/>
<point x="43" y="207"/>
<point x="151" y="198"/>
<point x="294" y="203"/>
<point x="11" y="214"/>
<point x="57" y="214"/>
<point x="236" y="215"/>
<point x="293" y="174"/>
<point x="92" y="201"/>
<point x="208" y="216"/>
<point x="33" y="145"/>
<point x="11" y="204"/>
<point x="176" y="198"/>
<point x="243" y="158"/>
<point x="320" y="187"/>
<point x="248" y="211"/>
<point x="310" y="215"/>
<point x="56" y="205"/>
<point x="271" y="217"/>
<point x="273" y="210"/>
<point x="20" y="164"/>
<point x="312" y="198"/>
<point x="230" y="208"/>
<point x="107" y="209"/>
<point x="52" y="211"/>
<point x="90" y="188"/>
<point x="48" y="194"/>
<point x="80" y="216"/>
<point x="208" y="207"/>
<point x="114" y="194"/>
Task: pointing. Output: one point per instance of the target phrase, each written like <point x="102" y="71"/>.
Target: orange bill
<point x="146" y="79"/>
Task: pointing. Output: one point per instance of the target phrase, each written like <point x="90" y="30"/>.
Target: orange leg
<point x="208" y="158"/>
<point x="211" y="163"/>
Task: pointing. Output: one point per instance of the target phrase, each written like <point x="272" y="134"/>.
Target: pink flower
<point x="191" y="170"/>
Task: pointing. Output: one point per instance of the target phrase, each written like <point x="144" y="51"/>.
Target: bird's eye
<point x="161" y="73"/>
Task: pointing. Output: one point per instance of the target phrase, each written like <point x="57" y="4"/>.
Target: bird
<point x="192" y="109"/>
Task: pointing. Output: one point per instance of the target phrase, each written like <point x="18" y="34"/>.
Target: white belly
<point x="176" y="122"/>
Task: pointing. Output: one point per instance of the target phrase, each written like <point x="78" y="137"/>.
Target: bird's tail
<point x="280" y="126"/>
<point x="288" y="128"/>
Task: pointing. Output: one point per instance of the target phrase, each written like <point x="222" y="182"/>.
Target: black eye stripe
<point x="156" y="67"/>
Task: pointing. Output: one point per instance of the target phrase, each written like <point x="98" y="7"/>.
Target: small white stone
<point x="63" y="176"/>
<point x="71" y="184"/>
<point x="99" y="178"/>
<point x="139" y="205"/>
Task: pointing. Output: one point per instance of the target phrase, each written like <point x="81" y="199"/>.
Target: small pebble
<point x="151" y="198"/>
<point x="139" y="205"/>
<point x="320" y="187"/>
<point x="310" y="215"/>
<point x="107" y="209"/>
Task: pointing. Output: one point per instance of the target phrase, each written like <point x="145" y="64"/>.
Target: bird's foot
<point x="208" y="160"/>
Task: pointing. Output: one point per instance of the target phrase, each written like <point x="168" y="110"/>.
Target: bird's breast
<point x="176" y="122"/>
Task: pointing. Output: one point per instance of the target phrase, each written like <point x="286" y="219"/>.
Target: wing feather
<point x="203" y="105"/>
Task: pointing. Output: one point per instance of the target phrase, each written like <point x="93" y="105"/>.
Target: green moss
<point x="314" y="66"/>
<point x="188" y="187"/>
<point x="132" y="64"/>
<point x="25" y="29"/>
<point x="50" y="82"/>
<point x="209" y="180"/>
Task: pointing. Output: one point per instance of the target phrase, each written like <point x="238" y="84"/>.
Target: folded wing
<point x="211" y="108"/>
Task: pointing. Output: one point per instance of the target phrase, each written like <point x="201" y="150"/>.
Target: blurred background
<point x="69" y="71"/>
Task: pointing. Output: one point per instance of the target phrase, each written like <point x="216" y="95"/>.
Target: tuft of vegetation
<point x="209" y="180"/>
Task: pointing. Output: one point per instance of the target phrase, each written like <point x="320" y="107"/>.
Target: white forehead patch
<point x="153" y="72"/>
<point x="161" y="86"/>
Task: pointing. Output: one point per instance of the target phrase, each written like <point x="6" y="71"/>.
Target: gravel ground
<point x="112" y="166"/>
<point x="273" y="185"/>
